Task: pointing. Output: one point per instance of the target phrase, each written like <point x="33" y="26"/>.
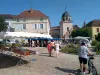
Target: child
<point x="57" y="48"/>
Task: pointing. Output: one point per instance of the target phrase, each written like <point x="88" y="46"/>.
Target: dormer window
<point x="41" y="19"/>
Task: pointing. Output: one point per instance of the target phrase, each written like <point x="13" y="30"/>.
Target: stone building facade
<point x="64" y="29"/>
<point x="31" y="20"/>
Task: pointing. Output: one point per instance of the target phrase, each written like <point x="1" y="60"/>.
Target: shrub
<point x="2" y="46"/>
<point x="94" y="43"/>
<point x="98" y="37"/>
<point x="98" y="48"/>
<point x="97" y="52"/>
<point x="70" y="49"/>
<point x="15" y="45"/>
<point x="71" y="45"/>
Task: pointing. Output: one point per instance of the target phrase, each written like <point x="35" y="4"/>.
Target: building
<point x="8" y="18"/>
<point x="29" y="21"/>
<point x="75" y="27"/>
<point x="95" y="28"/>
<point x="64" y="29"/>
<point x="55" y="31"/>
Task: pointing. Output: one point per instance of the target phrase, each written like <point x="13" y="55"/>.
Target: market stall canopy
<point x="23" y="35"/>
<point x="82" y="38"/>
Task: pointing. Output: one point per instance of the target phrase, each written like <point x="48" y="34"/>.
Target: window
<point x="24" y="26"/>
<point x="34" y="26"/>
<point x="41" y="19"/>
<point x="67" y="28"/>
<point x="41" y="26"/>
<point x="97" y="29"/>
<point x="18" y="27"/>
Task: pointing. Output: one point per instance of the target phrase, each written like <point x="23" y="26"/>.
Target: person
<point x="33" y="43"/>
<point x="45" y="44"/>
<point x="57" y="48"/>
<point x="83" y="52"/>
<point x="52" y="45"/>
<point x="49" y="48"/>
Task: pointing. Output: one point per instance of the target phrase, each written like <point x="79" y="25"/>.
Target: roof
<point x="30" y="14"/>
<point x="55" y="28"/>
<point x="75" y="27"/>
<point x="7" y="16"/>
<point x="94" y="23"/>
<point x="65" y="14"/>
<point x="26" y="14"/>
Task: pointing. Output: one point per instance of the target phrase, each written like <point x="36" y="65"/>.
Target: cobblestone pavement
<point x="41" y="64"/>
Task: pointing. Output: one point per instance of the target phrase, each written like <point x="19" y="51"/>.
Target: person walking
<point x="52" y="45"/>
<point x="57" y="45"/>
<point x="49" y="48"/>
<point x="83" y="52"/>
<point x="33" y="43"/>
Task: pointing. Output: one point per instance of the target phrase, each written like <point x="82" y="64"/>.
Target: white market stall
<point x="82" y="38"/>
<point x="23" y="35"/>
<point x="85" y="39"/>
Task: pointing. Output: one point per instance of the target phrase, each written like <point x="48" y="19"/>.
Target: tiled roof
<point x="94" y="23"/>
<point x="55" y="28"/>
<point x="26" y="14"/>
<point x="30" y="14"/>
<point x="7" y="16"/>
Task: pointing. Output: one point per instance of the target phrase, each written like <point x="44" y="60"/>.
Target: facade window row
<point x="34" y="26"/>
<point x="38" y="26"/>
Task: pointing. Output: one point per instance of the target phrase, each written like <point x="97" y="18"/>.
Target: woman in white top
<point x="57" y="48"/>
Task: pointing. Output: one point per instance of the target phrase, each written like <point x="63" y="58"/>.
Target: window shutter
<point x="43" y="26"/>
<point x="38" y="26"/>
<point x="33" y="26"/>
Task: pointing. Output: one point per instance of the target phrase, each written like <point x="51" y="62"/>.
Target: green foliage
<point x="70" y="49"/>
<point x="3" y="24"/>
<point x="86" y="32"/>
<point x="98" y="37"/>
<point x="97" y="52"/>
<point x="94" y="43"/>
<point x="15" y="45"/>
<point x="98" y="48"/>
<point x="22" y="41"/>
<point x="2" y="45"/>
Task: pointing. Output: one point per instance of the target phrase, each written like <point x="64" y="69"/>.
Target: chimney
<point x="31" y="10"/>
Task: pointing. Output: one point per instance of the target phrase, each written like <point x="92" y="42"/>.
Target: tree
<point x="86" y="32"/>
<point x="98" y="37"/>
<point x="3" y="24"/>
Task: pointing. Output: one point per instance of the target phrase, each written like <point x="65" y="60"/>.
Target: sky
<point x="79" y="10"/>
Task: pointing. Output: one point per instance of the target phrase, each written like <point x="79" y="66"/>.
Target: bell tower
<point x="66" y="25"/>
